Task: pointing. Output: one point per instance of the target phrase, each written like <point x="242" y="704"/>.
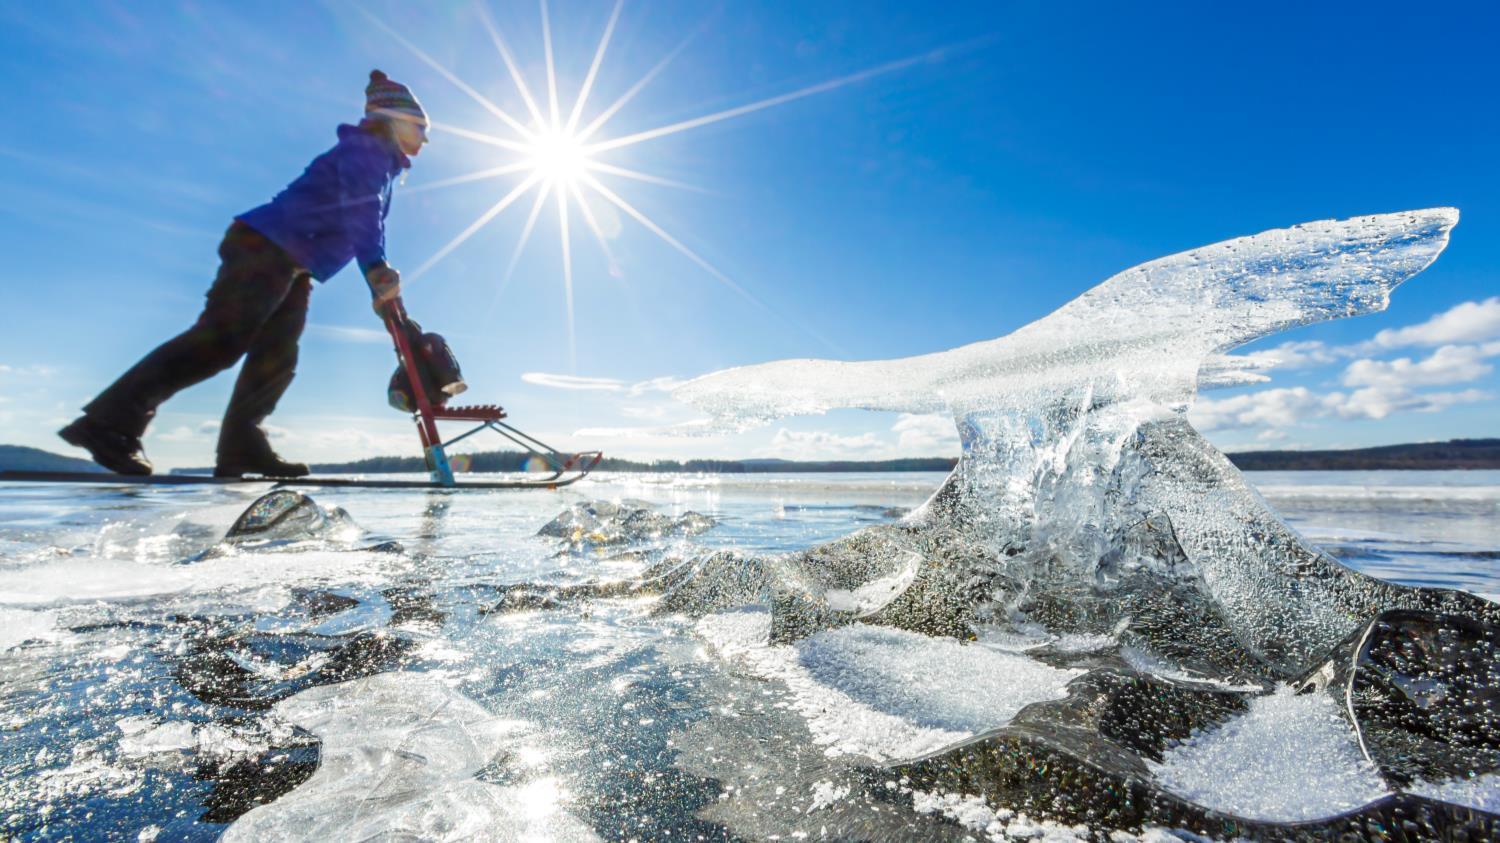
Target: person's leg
<point x="270" y="365"/>
<point x="254" y="276"/>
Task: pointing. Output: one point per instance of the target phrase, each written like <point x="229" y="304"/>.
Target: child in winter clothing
<point x="257" y="306"/>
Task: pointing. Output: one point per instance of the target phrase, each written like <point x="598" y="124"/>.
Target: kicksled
<point x="426" y="377"/>
<point x="424" y="370"/>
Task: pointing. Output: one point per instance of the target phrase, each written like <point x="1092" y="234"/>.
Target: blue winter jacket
<point x="335" y="211"/>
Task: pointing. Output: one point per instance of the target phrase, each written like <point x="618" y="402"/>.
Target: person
<point x="257" y="306"/>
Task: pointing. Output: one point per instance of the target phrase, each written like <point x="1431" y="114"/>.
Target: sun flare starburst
<point x="562" y="161"/>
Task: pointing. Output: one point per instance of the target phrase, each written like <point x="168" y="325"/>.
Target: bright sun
<point x="558" y="152"/>
<point x="558" y="157"/>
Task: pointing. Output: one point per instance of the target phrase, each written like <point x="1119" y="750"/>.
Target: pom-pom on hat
<point x="388" y="97"/>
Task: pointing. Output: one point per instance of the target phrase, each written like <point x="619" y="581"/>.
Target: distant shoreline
<point x="1455" y="454"/>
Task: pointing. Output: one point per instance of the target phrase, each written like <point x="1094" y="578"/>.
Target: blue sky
<point x="1026" y="152"/>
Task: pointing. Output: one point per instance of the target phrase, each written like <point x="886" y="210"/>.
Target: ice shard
<point x="1086" y="507"/>
<point x="1079" y="466"/>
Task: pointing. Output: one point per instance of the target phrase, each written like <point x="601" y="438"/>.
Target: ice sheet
<point x="399" y="752"/>
<point x="119" y="661"/>
<point x="86" y="579"/>
<point x="18" y="626"/>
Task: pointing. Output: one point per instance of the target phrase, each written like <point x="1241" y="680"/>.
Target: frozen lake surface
<point x="1434" y="528"/>
<point x="370" y="676"/>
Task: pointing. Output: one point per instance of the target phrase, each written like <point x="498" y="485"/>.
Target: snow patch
<point x="882" y="693"/>
<point x="1481" y="793"/>
<point x="936" y="682"/>
<point x="826" y="793"/>
<point x="1288" y="758"/>
<point x="1001" y="824"/>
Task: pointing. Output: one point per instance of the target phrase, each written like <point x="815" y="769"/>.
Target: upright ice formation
<point x="1078" y="462"/>
<point x="287" y="515"/>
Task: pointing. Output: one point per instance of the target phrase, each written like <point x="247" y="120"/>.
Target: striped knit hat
<point x="392" y="99"/>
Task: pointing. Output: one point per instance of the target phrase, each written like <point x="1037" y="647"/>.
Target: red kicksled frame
<point x="566" y="468"/>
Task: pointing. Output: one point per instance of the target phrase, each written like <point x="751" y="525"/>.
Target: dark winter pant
<point x="256" y="309"/>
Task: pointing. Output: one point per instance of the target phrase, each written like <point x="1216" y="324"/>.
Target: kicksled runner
<point x="426" y="377"/>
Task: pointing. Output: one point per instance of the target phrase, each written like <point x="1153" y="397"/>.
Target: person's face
<point x="410" y="135"/>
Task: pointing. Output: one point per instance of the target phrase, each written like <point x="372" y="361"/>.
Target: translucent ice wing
<point x="1144" y="332"/>
<point x="1227" y="294"/>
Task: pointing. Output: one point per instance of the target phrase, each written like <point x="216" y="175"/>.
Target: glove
<point x="385" y="286"/>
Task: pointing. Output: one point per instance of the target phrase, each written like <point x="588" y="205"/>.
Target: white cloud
<point x="180" y="433"/>
<point x="34" y="370"/>
<point x="691" y="428"/>
<point x="320" y="439"/>
<point x="1377" y="402"/>
<point x="820" y="445"/>
<point x="925" y="435"/>
<point x="1299" y="355"/>
<point x="207" y="430"/>
<point x="1472" y="321"/>
<point x="345" y="333"/>
<point x="1281" y="407"/>
<point x="1449" y="364"/>
<point x="1468" y="322"/>
<point x="1465" y="337"/>
<point x="645" y="413"/>
<point x="573" y="382"/>
<point x="662" y="384"/>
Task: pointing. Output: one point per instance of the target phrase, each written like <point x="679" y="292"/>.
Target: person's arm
<point x="362" y="179"/>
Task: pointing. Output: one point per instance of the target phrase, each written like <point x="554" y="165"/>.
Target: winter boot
<point x="116" y="451"/>
<point x="250" y="453"/>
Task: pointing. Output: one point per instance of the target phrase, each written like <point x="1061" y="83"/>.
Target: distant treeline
<point x="1455" y="453"/>
<point x="516" y="461"/>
